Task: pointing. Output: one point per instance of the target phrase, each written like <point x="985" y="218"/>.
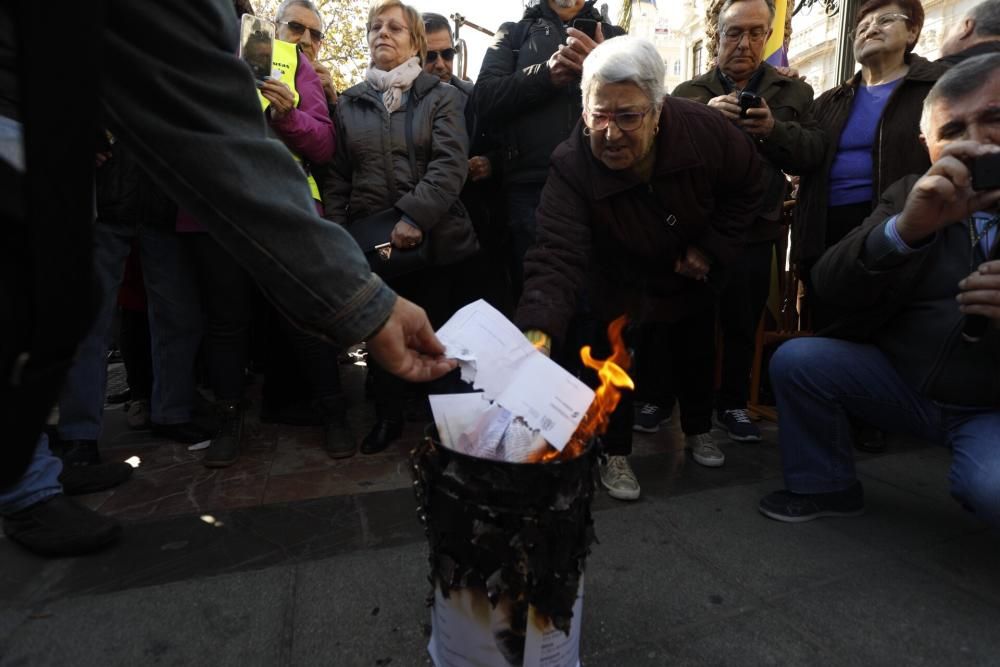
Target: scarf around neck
<point x="392" y="83"/>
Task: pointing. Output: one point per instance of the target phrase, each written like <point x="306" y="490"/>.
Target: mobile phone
<point x="587" y="26"/>
<point x="748" y="101"/>
<point x="257" y="45"/>
<point x="986" y="172"/>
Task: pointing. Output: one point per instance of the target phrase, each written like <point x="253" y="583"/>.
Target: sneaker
<point x="618" y="478"/>
<point x="225" y="446"/>
<point x="738" y="425"/>
<point x="704" y="450"/>
<point x="58" y="526"/>
<point x="649" y="417"/>
<point x="798" y="507"/>
<point x="77" y="452"/>
<point x="80" y="480"/>
<point x="137" y="414"/>
<point x="338" y="438"/>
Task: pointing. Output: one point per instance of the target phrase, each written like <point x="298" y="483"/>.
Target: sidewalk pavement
<point x="689" y="575"/>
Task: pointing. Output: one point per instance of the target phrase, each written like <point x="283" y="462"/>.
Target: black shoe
<point x="225" y="446"/>
<point x="77" y="452"/>
<point x="338" y="439"/>
<point x="870" y="439"/>
<point x="58" y="526"/>
<point x="78" y="480"/>
<point x="187" y="433"/>
<point x="797" y="507"/>
<point x="383" y="433"/>
<point x="119" y="397"/>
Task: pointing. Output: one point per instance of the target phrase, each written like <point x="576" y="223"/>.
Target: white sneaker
<point x="704" y="450"/>
<point x="618" y="478"/>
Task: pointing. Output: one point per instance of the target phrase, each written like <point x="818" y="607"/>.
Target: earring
<point x="586" y="131"/>
<point x="656" y="130"/>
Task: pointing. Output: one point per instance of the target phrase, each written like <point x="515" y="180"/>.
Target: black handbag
<point x="373" y="232"/>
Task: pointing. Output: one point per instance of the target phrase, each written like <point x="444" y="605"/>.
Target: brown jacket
<point x="618" y="237"/>
<point x="795" y="145"/>
<point x="897" y="151"/>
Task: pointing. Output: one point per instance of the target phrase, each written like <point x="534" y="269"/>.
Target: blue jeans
<point x="40" y="481"/>
<point x="820" y="383"/>
<point x="174" y="327"/>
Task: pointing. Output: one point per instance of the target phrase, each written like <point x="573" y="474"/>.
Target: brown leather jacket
<point x="618" y="237"/>
<point x="897" y="151"/>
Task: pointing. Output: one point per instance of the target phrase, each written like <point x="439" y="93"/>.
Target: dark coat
<point x="981" y="49"/>
<point x="619" y="237"/>
<point x="371" y="149"/>
<point x="897" y="152"/>
<point x="795" y="145"/>
<point x="905" y="305"/>
<point x="126" y="195"/>
<point x="515" y="98"/>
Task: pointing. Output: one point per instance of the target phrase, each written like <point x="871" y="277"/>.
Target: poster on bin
<point x="466" y="631"/>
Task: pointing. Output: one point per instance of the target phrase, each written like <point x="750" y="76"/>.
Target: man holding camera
<point x="774" y="110"/>
<point x="917" y="346"/>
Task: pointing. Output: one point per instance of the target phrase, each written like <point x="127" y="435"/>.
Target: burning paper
<point x="496" y="357"/>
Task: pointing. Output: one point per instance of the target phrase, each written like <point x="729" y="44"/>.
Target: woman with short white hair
<point x="644" y="203"/>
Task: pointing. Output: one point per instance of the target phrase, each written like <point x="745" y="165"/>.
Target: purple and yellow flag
<point x="774" y="50"/>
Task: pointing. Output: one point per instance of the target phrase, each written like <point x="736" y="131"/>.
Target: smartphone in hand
<point x="586" y="26"/>
<point x="257" y="45"/>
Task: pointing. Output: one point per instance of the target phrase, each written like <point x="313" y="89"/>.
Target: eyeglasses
<point x="447" y="54"/>
<point x="735" y="35"/>
<point x="298" y="30"/>
<point x="883" y="22"/>
<point x="626" y="121"/>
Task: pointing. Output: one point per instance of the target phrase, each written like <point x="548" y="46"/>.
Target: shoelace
<point x="619" y="467"/>
<point x="741" y="416"/>
<point x="649" y="409"/>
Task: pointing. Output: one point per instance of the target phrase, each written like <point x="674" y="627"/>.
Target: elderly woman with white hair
<point x="645" y="203"/>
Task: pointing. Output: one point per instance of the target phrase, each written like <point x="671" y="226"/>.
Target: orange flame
<point x="613" y="377"/>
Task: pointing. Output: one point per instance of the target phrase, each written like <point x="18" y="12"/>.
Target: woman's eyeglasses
<point x="626" y="121"/>
<point x="883" y="22"/>
<point x="447" y="54"/>
<point x="298" y="29"/>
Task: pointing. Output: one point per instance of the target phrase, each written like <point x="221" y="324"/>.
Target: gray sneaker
<point x="618" y="478"/>
<point x="704" y="450"/>
<point x="137" y="415"/>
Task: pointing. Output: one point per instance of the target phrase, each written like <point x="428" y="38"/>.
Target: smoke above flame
<point x="613" y="377"/>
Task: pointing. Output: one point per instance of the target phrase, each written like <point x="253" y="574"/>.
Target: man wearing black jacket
<point x="975" y="35"/>
<point x="899" y="355"/>
<point x="528" y="96"/>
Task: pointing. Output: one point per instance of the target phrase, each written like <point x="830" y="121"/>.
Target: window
<point x="696" y="59"/>
<point x="677" y="67"/>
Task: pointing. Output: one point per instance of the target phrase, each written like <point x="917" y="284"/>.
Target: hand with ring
<point x="405" y="235"/>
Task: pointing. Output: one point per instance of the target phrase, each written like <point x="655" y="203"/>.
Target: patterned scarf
<point x="392" y="83"/>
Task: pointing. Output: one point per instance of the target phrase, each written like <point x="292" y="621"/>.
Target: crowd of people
<point x="566" y="187"/>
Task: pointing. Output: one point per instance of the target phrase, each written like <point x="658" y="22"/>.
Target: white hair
<point x="960" y="81"/>
<point x="625" y="60"/>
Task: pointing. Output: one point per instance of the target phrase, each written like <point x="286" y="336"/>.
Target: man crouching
<point x="905" y="282"/>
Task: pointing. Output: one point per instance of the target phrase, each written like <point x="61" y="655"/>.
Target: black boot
<point x="78" y="480"/>
<point x="58" y="526"/>
<point x="383" y="433"/>
<point x="77" y="452"/>
<point x="338" y="438"/>
<point x="225" y="447"/>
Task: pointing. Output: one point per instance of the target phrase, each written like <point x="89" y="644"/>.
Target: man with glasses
<point x="774" y="110"/>
<point x="299" y="22"/>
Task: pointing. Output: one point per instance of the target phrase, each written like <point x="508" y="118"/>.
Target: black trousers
<point x="740" y="305"/>
<point x="226" y="297"/>
<point x="839" y="221"/>
<point x="135" y="344"/>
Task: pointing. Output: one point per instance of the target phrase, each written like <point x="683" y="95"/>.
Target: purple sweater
<point x="307" y="129"/>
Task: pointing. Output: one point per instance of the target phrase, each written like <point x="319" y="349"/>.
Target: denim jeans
<point x="174" y="326"/>
<point x="522" y="200"/>
<point x="821" y="383"/>
<point x="39" y="482"/>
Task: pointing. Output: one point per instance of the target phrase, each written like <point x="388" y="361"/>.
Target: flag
<point x="774" y="50"/>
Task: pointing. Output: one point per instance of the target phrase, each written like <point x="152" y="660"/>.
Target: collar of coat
<point x="675" y="147"/>
<point x="423" y="84"/>
<point x="921" y="70"/>
<point x="765" y="88"/>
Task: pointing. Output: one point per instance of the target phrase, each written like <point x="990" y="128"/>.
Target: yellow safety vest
<point x="285" y="59"/>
